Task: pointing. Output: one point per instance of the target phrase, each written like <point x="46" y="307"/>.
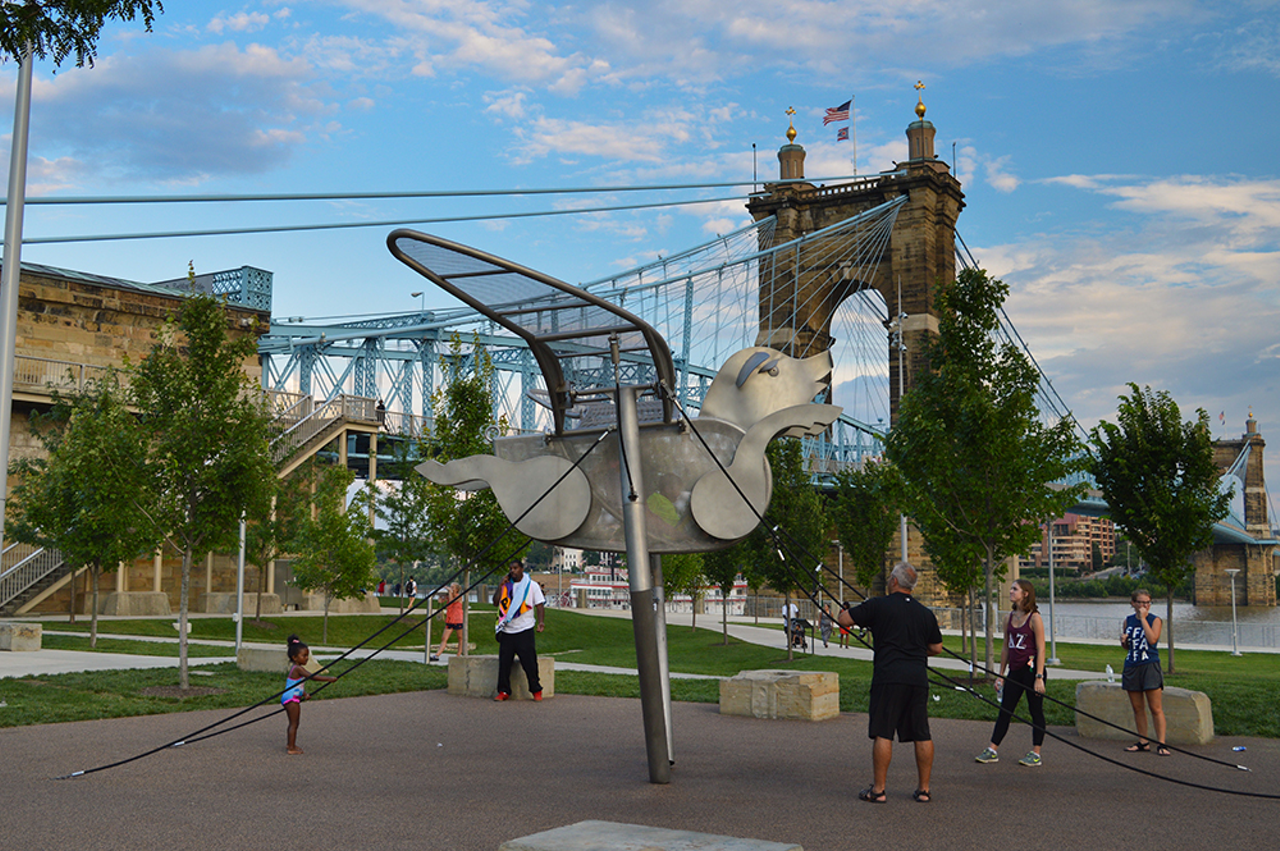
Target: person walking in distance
<point x="521" y="608"/>
<point x="452" y="620"/>
<point x="1023" y="657"/>
<point x="906" y="634"/>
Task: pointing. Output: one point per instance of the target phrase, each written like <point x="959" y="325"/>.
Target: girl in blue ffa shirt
<point x="1142" y="678"/>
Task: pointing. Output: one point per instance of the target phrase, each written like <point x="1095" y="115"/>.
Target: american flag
<point x="837" y="113"/>
<point x="842" y="135"/>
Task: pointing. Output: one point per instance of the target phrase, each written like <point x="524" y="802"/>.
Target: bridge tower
<point x="1255" y="583"/>
<point x="799" y="299"/>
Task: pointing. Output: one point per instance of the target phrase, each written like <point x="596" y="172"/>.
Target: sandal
<point x="1138" y="747"/>
<point x="922" y="796"/>
<point x="871" y="796"/>
<point x="1161" y="750"/>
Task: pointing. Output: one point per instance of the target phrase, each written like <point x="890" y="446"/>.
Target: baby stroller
<point x="797" y="630"/>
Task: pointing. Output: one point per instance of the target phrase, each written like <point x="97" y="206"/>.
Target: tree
<point x="403" y="509"/>
<point x="332" y="553"/>
<point x="865" y="513"/>
<point x="267" y="537"/>
<point x="63" y="27"/>
<point x="1157" y="475"/>
<point x="82" y="497"/>
<point x="682" y="574"/>
<point x="722" y="568"/>
<point x="976" y="458"/>
<point x="797" y="512"/>
<point x="208" y="460"/>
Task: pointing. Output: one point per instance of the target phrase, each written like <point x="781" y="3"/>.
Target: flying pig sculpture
<point x="692" y="504"/>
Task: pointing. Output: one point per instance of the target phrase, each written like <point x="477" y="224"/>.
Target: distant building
<point x="1074" y="537"/>
<point x="608" y="588"/>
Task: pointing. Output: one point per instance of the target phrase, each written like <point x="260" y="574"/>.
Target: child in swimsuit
<point x="294" y="694"/>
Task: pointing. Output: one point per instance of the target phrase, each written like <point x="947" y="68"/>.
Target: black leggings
<point x="1015" y="684"/>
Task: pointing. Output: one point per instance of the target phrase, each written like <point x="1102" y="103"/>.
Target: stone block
<point x="805" y="695"/>
<point x="1188" y="714"/>
<point x="224" y="603"/>
<point x="148" y="603"/>
<point x="594" y="835"/>
<point x="358" y="606"/>
<point x="477" y="676"/>
<point x="272" y="660"/>
<point x="20" y="636"/>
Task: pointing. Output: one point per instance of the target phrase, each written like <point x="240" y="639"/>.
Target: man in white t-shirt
<point x="521" y="606"/>
<point x="790" y="611"/>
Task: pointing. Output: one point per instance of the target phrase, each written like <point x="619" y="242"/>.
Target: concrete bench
<point x="1188" y="714"/>
<point x="477" y="676"/>
<point x="20" y="636"/>
<point x="593" y="835"/>
<point x="807" y="695"/>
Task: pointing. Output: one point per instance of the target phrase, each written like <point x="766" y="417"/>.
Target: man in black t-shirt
<point x="906" y="634"/>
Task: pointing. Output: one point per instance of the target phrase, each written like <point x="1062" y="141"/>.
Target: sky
<point x="1118" y="158"/>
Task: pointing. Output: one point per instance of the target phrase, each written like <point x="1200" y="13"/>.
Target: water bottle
<point x="1239" y="748"/>
<point x="1000" y="691"/>
<point x="1111" y="675"/>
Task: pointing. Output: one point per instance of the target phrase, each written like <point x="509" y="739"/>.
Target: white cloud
<point x="239" y="22"/>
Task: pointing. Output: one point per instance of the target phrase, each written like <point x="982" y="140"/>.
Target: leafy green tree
<point x="682" y="574"/>
<point x="1157" y="474"/>
<point x="208" y="460"/>
<point x="268" y="537"/>
<point x="82" y="497"/>
<point x="59" y="28"/>
<point x="403" y="509"/>
<point x="797" y="512"/>
<point x="976" y="458"/>
<point x="865" y="513"/>
<point x="332" y="552"/>
<point x="464" y="524"/>
<point x="722" y="568"/>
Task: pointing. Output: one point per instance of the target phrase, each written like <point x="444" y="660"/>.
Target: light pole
<point x="422" y="300"/>
<point x="1235" y="642"/>
<point x="895" y="336"/>
<point x="1053" y="628"/>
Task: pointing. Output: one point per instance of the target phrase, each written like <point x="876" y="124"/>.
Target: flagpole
<point x="853" y="125"/>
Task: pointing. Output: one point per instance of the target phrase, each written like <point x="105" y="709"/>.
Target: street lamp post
<point x="422" y="300"/>
<point x="1053" y="626"/>
<point x="1235" y="630"/>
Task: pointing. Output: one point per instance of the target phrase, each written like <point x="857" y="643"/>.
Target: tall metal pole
<point x="640" y="580"/>
<point x="1235" y="630"/>
<point x="240" y="589"/>
<point x="664" y="664"/>
<point x="12" y="272"/>
<point x="902" y="389"/>
<point x="1053" y="623"/>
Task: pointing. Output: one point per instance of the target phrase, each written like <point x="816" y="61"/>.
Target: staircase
<point x="32" y="572"/>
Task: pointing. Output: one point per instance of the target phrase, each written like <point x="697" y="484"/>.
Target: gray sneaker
<point x="987" y="755"/>
<point x="1031" y="759"/>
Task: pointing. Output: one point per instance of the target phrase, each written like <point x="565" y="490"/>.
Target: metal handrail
<point x="43" y="373"/>
<point x="28" y="572"/>
<point x="360" y="409"/>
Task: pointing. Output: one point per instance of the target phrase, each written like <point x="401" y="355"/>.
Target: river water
<point x="1259" y="626"/>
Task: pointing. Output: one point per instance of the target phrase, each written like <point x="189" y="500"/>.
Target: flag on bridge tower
<point x="837" y="113"/>
<point x="842" y="135"/>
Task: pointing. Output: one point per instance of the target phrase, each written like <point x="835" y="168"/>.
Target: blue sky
<point x="1117" y="157"/>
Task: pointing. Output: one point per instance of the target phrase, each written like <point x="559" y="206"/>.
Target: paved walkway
<point x="428" y="770"/>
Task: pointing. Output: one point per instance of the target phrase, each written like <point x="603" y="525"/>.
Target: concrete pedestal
<point x="594" y="835"/>
<point x="477" y="676"/>
<point x="808" y="695"/>
<point x="20" y="636"/>
<point x="1188" y="714"/>
<point x="224" y="603"/>
<point x="368" y="604"/>
<point x="145" y="603"/>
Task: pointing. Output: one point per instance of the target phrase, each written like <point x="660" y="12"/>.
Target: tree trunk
<point x="184" y="676"/>
<point x="94" y="572"/>
<point x="1168" y="625"/>
<point x="324" y="632"/>
<point x="694" y="605"/>
<point x="72" y="618"/>
<point x="786" y="623"/>
<point x="989" y="612"/>
<point x="463" y="639"/>
<point x="724" y="616"/>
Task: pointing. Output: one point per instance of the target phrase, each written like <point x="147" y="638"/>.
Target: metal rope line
<point x="474" y="559"/>
<point x="366" y="196"/>
<point x="773" y="531"/>
<point x="50" y="240"/>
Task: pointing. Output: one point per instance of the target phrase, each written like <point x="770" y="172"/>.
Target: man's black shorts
<point x="899" y="708"/>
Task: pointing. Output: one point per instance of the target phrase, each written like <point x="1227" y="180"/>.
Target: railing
<point x="43" y="373"/>
<point x="405" y="425"/>
<point x="13" y="554"/>
<point x="359" y="409"/>
<point x="28" y="572"/>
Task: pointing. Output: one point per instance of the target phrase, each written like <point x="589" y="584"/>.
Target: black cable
<point x="196" y="736"/>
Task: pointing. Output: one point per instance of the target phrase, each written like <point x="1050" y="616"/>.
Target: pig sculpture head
<point x="759" y="381"/>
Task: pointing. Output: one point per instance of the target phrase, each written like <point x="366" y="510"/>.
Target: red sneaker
<point x="537" y="695"/>
<point x="502" y="695"/>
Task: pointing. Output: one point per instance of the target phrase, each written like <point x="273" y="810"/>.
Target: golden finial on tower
<point x="791" y="128"/>
<point x="919" y="100"/>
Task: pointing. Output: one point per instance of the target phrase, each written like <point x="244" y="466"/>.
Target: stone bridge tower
<point x="799" y="297"/>
<point x="1257" y="562"/>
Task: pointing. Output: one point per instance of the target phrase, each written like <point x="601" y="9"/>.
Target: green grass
<point x="1242" y="688"/>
